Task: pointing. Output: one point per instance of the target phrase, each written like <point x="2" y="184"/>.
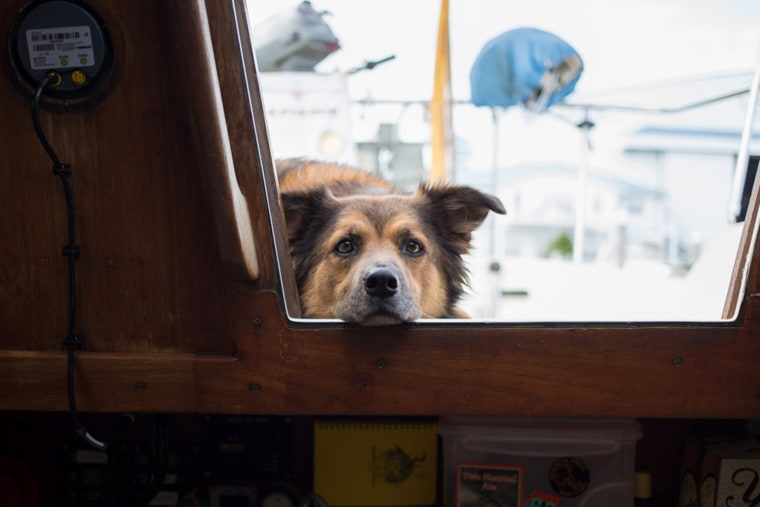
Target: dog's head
<point x="383" y="259"/>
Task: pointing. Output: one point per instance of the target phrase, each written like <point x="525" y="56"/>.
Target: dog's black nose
<point x="382" y="283"/>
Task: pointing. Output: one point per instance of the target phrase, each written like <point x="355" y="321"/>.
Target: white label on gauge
<point x="60" y="48"/>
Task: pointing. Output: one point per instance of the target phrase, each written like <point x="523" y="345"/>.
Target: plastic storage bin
<point x="538" y="462"/>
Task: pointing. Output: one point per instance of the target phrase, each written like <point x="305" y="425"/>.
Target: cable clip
<point x="61" y="169"/>
<point x="71" y="250"/>
<point x="72" y="341"/>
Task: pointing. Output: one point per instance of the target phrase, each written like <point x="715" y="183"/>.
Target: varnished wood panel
<point x="150" y="276"/>
<point x="105" y="382"/>
<point x="653" y="371"/>
<point x="249" y="143"/>
<point x="663" y="371"/>
<point x="168" y="303"/>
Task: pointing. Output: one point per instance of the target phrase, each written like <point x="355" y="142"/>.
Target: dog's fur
<point x="369" y="253"/>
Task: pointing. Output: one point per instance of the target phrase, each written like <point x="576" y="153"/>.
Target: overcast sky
<point x="622" y="43"/>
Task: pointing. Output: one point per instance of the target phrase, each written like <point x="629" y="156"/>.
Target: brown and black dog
<point x="369" y="253"/>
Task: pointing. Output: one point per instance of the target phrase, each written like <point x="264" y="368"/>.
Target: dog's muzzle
<point x="379" y="295"/>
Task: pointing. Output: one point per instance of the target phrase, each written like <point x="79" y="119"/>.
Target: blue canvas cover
<point x="510" y="67"/>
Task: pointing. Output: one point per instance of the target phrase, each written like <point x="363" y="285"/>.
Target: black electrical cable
<point x="71" y="251"/>
<point x="158" y="452"/>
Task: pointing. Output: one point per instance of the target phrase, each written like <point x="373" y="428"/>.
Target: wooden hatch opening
<point x="184" y="279"/>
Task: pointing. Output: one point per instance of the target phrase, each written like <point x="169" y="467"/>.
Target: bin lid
<point x="622" y="430"/>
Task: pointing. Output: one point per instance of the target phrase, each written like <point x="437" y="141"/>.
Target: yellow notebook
<point x="375" y="462"/>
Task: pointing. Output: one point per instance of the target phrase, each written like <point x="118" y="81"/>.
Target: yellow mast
<point x="440" y="107"/>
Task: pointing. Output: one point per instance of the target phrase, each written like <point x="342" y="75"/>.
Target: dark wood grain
<point x="104" y="382"/>
<point x="653" y="371"/>
<point x="150" y="274"/>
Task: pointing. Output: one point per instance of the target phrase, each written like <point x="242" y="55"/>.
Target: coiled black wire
<point x="71" y="251"/>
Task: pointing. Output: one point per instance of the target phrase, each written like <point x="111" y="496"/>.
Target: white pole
<point x="494" y="267"/>
<point x="494" y="177"/>
<point x="580" y="199"/>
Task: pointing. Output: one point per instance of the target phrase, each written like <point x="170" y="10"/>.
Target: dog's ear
<point x="301" y="208"/>
<point x="459" y="210"/>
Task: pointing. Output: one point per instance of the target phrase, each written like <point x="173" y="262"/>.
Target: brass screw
<point x="78" y="77"/>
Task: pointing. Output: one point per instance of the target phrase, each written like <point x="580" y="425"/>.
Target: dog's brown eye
<point x="345" y="247"/>
<point x="413" y="247"/>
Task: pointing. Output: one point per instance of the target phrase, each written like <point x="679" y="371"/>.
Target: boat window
<point x="620" y="137"/>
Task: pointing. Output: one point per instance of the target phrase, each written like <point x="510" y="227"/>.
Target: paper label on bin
<point x="484" y="485"/>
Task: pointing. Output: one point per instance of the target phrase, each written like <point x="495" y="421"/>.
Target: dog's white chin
<point x="367" y="311"/>
<point x="380" y="319"/>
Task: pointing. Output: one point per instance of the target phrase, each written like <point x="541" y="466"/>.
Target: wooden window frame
<point x="652" y="369"/>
